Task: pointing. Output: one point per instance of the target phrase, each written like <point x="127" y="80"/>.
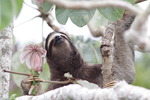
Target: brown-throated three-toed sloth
<point x="62" y="57"/>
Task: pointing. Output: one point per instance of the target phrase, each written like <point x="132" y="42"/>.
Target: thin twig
<point x="30" y="79"/>
<point x="59" y="82"/>
<point x="17" y="73"/>
<point x="27" y="21"/>
<point x="30" y="6"/>
<point x="42" y="34"/>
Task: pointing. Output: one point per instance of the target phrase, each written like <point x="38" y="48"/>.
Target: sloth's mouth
<point x="58" y="41"/>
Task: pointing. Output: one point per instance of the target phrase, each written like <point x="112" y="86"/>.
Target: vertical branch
<point x="5" y="59"/>
<point x="106" y="52"/>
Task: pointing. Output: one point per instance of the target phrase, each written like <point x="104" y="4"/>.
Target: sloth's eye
<point x="63" y="36"/>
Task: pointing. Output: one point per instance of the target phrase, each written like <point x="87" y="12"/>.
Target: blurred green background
<point x="90" y="51"/>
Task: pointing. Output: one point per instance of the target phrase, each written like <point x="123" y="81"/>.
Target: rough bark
<point x="107" y="57"/>
<point x="120" y="66"/>
<point x="5" y="58"/>
<point x="121" y="91"/>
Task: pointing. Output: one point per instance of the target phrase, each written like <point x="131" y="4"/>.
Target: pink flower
<point x="33" y="55"/>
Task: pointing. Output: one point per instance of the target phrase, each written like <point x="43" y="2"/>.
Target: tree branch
<point x="120" y="91"/>
<point x="140" y="50"/>
<point x="5" y="58"/>
<point x="106" y="51"/>
<point x="139" y="1"/>
<point x="96" y="32"/>
<point x="137" y="33"/>
<point x="95" y="4"/>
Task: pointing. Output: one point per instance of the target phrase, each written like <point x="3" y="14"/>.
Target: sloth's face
<point x="57" y="42"/>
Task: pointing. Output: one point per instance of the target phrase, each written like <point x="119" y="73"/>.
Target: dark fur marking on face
<point x="48" y="48"/>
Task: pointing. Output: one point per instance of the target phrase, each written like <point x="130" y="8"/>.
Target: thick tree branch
<point x="106" y="51"/>
<point x="95" y="4"/>
<point x="137" y="33"/>
<point x="121" y="91"/>
<point x="140" y="50"/>
<point x="96" y="32"/>
<point x="5" y="58"/>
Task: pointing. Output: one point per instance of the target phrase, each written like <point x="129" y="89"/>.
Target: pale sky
<point x="32" y="30"/>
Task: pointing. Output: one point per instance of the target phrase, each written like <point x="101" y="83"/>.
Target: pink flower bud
<point x="33" y="55"/>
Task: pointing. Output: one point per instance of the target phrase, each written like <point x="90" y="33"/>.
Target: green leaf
<point x="98" y="19"/>
<point x="97" y="44"/>
<point x="18" y="6"/>
<point x="46" y="6"/>
<point x="6" y="13"/>
<point x="80" y="17"/>
<point x="36" y="74"/>
<point x="113" y="14"/>
<point x="8" y="9"/>
<point x="12" y="97"/>
<point x="61" y="15"/>
<point x="95" y="53"/>
<point x="85" y="50"/>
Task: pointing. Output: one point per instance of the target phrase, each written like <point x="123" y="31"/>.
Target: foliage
<point x="82" y="17"/>
<point x="78" y="17"/>
<point x="9" y="8"/>
<point x="89" y="49"/>
<point x="46" y="6"/>
<point x="113" y="14"/>
<point x="142" y="66"/>
<point x="13" y="96"/>
<point x="98" y="19"/>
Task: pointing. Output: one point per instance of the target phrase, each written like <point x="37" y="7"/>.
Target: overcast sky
<point x="31" y="31"/>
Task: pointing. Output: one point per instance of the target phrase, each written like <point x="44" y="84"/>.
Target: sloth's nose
<point x="57" y="37"/>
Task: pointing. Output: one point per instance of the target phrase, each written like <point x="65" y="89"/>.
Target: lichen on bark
<point x="6" y="36"/>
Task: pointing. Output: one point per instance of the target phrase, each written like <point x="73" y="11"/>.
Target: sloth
<point x="62" y="57"/>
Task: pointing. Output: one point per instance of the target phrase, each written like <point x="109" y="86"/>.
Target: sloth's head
<point x="62" y="55"/>
<point x="58" y="45"/>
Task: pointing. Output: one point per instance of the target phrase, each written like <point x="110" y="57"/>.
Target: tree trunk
<point x="6" y="36"/>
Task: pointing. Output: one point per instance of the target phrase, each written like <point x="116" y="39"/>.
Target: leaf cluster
<point x="82" y="17"/>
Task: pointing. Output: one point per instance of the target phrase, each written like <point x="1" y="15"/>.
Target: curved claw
<point x="110" y="84"/>
<point x="30" y="79"/>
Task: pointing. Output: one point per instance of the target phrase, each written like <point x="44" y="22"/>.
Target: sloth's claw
<point x="110" y="84"/>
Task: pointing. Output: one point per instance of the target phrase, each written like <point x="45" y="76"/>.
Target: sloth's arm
<point x="123" y="54"/>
